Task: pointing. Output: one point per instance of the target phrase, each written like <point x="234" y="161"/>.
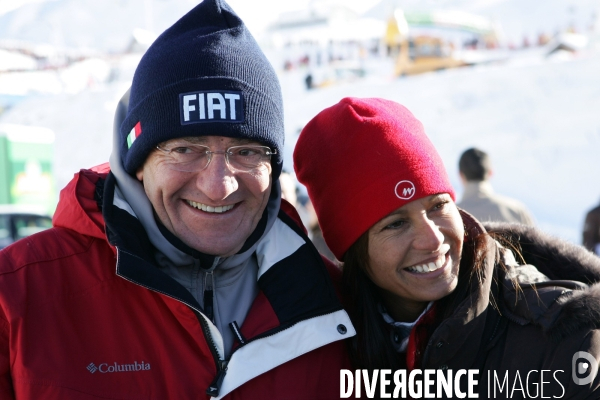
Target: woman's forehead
<point x="418" y="203"/>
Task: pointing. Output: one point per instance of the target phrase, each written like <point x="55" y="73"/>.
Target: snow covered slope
<point x="537" y="119"/>
<point x="105" y="25"/>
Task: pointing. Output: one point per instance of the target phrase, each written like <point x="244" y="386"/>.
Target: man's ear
<point x="139" y="174"/>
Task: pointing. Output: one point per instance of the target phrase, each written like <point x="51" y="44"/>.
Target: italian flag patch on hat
<point x="135" y="132"/>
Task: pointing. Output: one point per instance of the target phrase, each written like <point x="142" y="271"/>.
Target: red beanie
<point x="360" y="160"/>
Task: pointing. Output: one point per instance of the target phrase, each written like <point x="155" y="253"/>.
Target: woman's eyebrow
<point x="436" y="197"/>
<point x="396" y="213"/>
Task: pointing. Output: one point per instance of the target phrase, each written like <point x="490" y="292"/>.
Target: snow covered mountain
<point x="107" y="25"/>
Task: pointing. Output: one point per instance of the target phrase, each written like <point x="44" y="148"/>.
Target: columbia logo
<point x="114" y="367"/>
<point x="92" y="368"/>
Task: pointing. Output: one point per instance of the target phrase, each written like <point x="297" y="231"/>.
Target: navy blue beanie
<point x="204" y="76"/>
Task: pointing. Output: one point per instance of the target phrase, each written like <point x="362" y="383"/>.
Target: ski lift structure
<point x="427" y="41"/>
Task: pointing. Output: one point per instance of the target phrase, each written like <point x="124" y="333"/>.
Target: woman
<point x="428" y="286"/>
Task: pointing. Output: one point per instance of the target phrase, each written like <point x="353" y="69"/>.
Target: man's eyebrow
<point x="244" y="141"/>
<point x="195" y="139"/>
<point x="233" y="141"/>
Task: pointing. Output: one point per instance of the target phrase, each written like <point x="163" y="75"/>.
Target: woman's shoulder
<point x="559" y="307"/>
<point x="556" y="258"/>
<point x="547" y="281"/>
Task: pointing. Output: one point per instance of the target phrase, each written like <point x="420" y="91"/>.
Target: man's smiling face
<point x="213" y="210"/>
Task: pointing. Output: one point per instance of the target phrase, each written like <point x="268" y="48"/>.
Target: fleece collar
<point x="571" y="268"/>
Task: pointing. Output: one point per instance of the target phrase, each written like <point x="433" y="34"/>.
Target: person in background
<point x="289" y="192"/>
<point x="288" y="188"/>
<point x="591" y="231"/>
<point x="316" y="235"/>
<point x="178" y="272"/>
<point x="428" y="286"/>
<point x="479" y="198"/>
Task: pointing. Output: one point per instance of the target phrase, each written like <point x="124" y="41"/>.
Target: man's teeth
<point x="429" y="267"/>
<point x="210" y="209"/>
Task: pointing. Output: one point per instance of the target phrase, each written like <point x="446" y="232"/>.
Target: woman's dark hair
<point x="372" y="348"/>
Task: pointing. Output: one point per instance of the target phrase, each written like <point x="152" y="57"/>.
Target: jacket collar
<point x="78" y="208"/>
<point x="561" y="312"/>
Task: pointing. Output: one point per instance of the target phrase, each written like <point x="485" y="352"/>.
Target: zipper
<point x="215" y="386"/>
<point x="221" y="365"/>
<point x="208" y="295"/>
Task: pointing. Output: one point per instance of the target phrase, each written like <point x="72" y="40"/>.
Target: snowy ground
<point x="537" y="119"/>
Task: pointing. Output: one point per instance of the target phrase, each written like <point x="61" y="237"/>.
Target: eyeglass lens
<point x="191" y="158"/>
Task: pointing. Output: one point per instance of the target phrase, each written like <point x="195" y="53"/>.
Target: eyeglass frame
<point x="226" y="153"/>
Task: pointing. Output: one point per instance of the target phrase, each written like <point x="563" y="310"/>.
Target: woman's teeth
<point x="210" y="209"/>
<point x="429" y="267"/>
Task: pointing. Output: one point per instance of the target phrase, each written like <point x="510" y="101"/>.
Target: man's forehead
<point x="213" y="140"/>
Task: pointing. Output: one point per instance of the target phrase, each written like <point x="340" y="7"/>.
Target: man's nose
<point x="217" y="181"/>
<point x="428" y="236"/>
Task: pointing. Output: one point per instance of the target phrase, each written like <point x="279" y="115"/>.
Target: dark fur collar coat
<point x="524" y="338"/>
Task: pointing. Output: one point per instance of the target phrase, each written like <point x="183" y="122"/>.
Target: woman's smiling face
<point x="414" y="252"/>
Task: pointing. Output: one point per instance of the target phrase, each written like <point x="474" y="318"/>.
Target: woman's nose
<point x="428" y="236"/>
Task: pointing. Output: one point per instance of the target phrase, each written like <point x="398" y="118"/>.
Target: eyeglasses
<point x="193" y="157"/>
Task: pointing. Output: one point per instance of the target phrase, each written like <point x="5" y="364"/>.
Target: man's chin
<point x="223" y="246"/>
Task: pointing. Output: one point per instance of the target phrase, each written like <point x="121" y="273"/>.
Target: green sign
<point x="26" y="158"/>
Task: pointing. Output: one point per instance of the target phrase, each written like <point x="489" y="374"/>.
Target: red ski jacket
<point x="85" y="314"/>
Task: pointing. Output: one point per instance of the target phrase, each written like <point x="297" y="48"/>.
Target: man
<point x="479" y="198"/>
<point x="177" y="274"/>
<point x="591" y="230"/>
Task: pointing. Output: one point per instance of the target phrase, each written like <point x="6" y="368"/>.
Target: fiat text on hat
<point x="215" y="106"/>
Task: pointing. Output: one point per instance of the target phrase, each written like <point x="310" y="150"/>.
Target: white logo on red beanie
<point x="405" y="190"/>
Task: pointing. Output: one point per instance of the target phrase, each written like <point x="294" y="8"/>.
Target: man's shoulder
<point x="46" y="246"/>
<point x="291" y="212"/>
<point x="333" y="269"/>
<point x="52" y="266"/>
<point x="509" y="202"/>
